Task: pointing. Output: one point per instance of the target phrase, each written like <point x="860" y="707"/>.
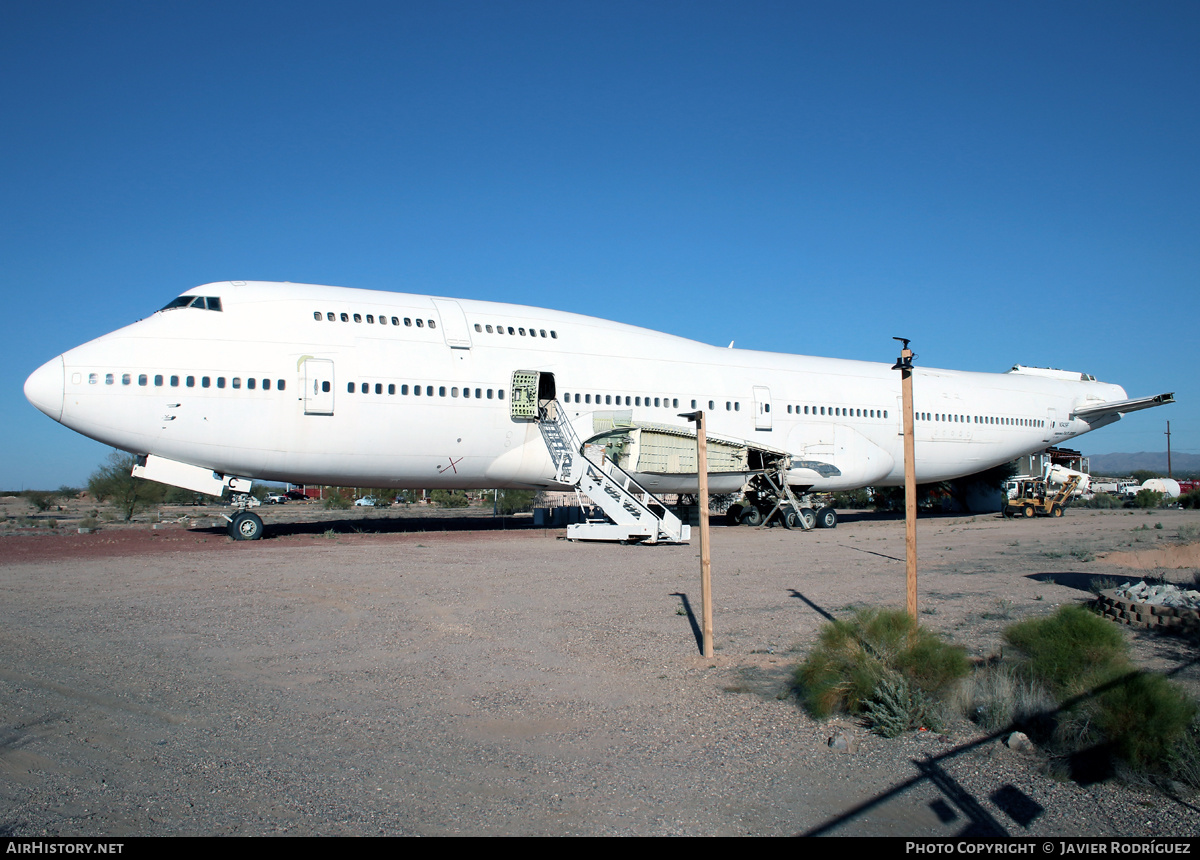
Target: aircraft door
<point x="762" y="408"/>
<point x="318" y="386"/>
<point x="1051" y="417"/>
<point x="454" y="324"/>
<point x="531" y="391"/>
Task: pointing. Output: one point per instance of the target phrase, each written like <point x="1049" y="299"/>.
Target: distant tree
<point x="1148" y="499"/>
<point x="43" y="500"/>
<point x="114" y="482"/>
<point x="1144" y="475"/>
<point x="512" y="501"/>
<point x="450" y="498"/>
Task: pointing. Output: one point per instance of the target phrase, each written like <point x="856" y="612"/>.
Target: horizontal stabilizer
<point x="1099" y="410"/>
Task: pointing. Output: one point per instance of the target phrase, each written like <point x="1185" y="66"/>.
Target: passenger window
<point x="489" y="394"/>
<point x="143" y="379"/>
<point x="429" y="391"/>
<point x="237" y="382"/>
<point x="478" y="328"/>
<point x="489" y="329"/>
<point x="587" y="398"/>
<point x="126" y="379"/>
<point x="395" y="321"/>
<point x="279" y="385"/>
<point x="477" y="392"/>
<point x="542" y="331"/>
<point x="382" y="319"/>
<point x="499" y="393"/>
<point x="728" y="406"/>
<point x="317" y="316"/>
<point x="379" y="388"/>
<point x="371" y="319"/>
<point x="366" y="388"/>
<point x="349" y="387"/>
<point x="454" y="391"/>
<point x="553" y="334"/>
<point x="432" y="324"/>
<point x="345" y="317"/>
<point x="220" y="382"/>
<point x="191" y="382"/>
<point x="266" y="385"/>
<point x="92" y="379"/>
<point x="358" y="318"/>
<point x="250" y="381"/>
<point x="510" y="330"/>
<point x="675" y="403"/>
<point x="330" y="316"/>
<point x="408" y="322"/>
<point x="420" y="324"/>
<point x="404" y="390"/>
<point x="737" y="406"/>
<point x="711" y="406"/>
<point x="391" y="388"/>
<point x="521" y="332"/>
<point x="174" y="381"/>
<point x="608" y="400"/>
<point x="158" y="380"/>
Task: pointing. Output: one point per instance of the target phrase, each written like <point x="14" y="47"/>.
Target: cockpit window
<point x="212" y="303"/>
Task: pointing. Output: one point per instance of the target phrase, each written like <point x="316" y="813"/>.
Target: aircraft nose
<point x="44" y="388"/>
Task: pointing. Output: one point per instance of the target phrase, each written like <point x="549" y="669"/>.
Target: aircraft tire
<point x="791" y="519"/>
<point x="751" y="516"/>
<point x="809" y="516"/>
<point x="246" y="526"/>
<point x="827" y="518"/>
<point x="733" y="515"/>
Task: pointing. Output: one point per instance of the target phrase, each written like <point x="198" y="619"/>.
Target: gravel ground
<point x="507" y="682"/>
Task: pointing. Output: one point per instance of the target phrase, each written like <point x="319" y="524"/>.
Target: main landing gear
<point x="245" y="526"/>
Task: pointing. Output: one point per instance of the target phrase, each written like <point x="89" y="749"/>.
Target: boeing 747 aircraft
<point x="328" y="385"/>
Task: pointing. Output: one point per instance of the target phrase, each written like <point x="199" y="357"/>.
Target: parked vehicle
<point x="366" y="501"/>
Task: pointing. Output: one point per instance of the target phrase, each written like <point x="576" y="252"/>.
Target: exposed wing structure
<point x="1120" y="407"/>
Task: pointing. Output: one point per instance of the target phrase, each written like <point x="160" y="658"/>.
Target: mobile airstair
<point x="631" y="512"/>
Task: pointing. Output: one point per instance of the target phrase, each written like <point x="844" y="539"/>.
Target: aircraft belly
<point x="835" y="457"/>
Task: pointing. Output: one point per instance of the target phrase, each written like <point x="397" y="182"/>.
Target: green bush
<point x="450" y="498"/>
<point x="1103" y="500"/>
<point x="1104" y="700"/>
<point x="847" y="668"/>
<point x="1148" y="499"/>
<point x="337" y="500"/>
<point x="1066" y="651"/>
<point x="1190" y="500"/>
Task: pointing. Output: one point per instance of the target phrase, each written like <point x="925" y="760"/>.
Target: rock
<point x="1019" y="742"/>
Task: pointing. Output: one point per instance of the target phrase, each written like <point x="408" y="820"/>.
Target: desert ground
<point x="376" y="672"/>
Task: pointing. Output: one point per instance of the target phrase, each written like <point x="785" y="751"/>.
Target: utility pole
<point x="706" y="609"/>
<point x="905" y="366"/>
<point x="1169" y="475"/>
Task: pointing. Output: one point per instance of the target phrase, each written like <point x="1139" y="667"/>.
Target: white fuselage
<point x="342" y="367"/>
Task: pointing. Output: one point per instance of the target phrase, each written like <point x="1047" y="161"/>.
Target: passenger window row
<point x="404" y="390"/>
<point x="840" y="411"/>
<point x="950" y="418"/>
<point x="371" y="319"/>
<point x="517" y="330"/>
<point x="611" y="400"/>
<point x="143" y="380"/>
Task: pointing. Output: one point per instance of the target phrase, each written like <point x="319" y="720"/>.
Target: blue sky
<point x="1000" y="182"/>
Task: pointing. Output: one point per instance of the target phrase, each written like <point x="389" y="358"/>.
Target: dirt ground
<point x="366" y="673"/>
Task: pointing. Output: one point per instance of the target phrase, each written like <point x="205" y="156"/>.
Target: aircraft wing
<point x="1099" y="410"/>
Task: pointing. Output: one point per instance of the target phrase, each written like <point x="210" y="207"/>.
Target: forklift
<point x="1036" y="498"/>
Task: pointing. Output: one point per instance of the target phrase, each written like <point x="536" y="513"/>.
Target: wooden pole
<point x="706" y="607"/>
<point x="705" y="558"/>
<point x="904" y="365"/>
